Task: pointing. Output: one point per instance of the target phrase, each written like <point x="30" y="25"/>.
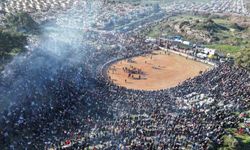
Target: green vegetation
<point x="229" y="143"/>
<point x="225" y="48"/>
<point x="11" y="43"/>
<point x="244" y="140"/>
<point x="13" y="36"/>
<point x="21" y="22"/>
<point x="156" y="31"/>
<point x="224" y="33"/>
<point x="243" y="58"/>
<point x="234" y="140"/>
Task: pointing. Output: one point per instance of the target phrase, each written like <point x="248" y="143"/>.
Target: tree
<point x="10" y="40"/>
<point x="243" y="59"/>
<point x="21" y="22"/>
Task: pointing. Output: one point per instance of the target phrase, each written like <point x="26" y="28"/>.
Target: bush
<point x="11" y="40"/>
<point x="243" y="59"/>
<point x="21" y="22"/>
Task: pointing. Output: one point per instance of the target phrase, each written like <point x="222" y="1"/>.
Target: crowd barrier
<point x="189" y="56"/>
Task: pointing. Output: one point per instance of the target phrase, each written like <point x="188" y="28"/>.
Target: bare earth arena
<point x="156" y="71"/>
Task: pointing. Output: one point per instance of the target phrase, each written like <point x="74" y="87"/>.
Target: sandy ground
<point x="160" y="71"/>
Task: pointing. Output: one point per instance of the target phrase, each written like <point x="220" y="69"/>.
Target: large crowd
<point x="193" y="115"/>
<point x="78" y="108"/>
<point x="238" y="7"/>
<point x="60" y="104"/>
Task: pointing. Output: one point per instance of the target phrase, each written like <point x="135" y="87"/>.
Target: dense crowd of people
<point x="66" y="103"/>
<point x="75" y="107"/>
<point x="192" y="115"/>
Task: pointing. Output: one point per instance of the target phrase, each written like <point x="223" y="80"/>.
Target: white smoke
<point x="62" y="43"/>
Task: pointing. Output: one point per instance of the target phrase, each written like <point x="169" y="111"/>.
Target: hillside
<point x="13" y="35"/>
<point x="21" y="22"/>
<point x="227" y="34"/>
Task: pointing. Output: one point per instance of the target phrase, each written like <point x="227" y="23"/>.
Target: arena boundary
<point x="104" y="67"/>
<point x="190" y="57"/>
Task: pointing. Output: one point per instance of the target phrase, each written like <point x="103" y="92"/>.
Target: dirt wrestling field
<point x="159" y="70"/>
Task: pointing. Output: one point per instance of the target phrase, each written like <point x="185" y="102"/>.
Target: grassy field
<point x="225" y="48"/>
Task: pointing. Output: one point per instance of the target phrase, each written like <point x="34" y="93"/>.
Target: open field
<point x="160" y="70"/>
